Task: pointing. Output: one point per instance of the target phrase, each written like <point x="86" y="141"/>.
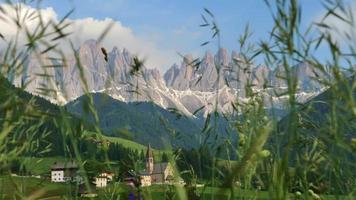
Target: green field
<point x="41" y="166"/>
<point x="136" y="146"/>
<point x="126" y="143"/>
<point x="163" y="192"/>
<point x="32" y="188"/>
<point x="129" y="144"/>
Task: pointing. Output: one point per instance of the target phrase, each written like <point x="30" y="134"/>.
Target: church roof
<point x="149" y="153"/>
<point x="159" y="168"/>
<point x="144" y="173"/>
<point x="170" y="177"/>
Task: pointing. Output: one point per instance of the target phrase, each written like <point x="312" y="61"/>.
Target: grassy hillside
<point x="47" y="133"/>
<point x="130" y="144"/>
<point x="141" y="122"/>
<point x="319" y="137"/>
<point x="52" y="113"/>
<point x="315" y="115"/>
<point x="19" y="96"/>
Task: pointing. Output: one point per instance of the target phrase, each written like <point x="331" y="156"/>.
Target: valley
<point x="177" y="100"/>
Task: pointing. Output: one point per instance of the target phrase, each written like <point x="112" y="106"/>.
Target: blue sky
<point x="173" y="26"/>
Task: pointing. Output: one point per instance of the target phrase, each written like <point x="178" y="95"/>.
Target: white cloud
<point x="27" y="18"/>
<point x="120" y="36"/>
<point x="90" y="28"/>
<point x="341" y="31"/>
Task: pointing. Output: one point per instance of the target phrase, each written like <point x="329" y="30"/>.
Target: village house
<point x="130" y="178"/>
<point x="156" y="173"/>
<point x="64" y="172"/>
<point x="103" y="179"/>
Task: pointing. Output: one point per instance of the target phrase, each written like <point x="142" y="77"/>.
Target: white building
<point x="64" y="172"/>
<point x="145" y="179"/>
<point x="103" y="179"/>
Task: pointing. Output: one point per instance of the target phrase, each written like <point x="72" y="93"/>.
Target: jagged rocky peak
<point x="236" y="57"/>
<point x="37" y="74"/>
<point x="127" y="55"/>
<point x="235" y="74"/>
<point x="183" y="86"/>
<point x="119" y="63"/>
<point x="94" y="65"/>
<point x="153" y="76"/>
<point x="90" y="48"/>
<point x="261" y="76"/>
<point x="303" y="72"/>
<point x="203" y="77"/>
<point x="306" y="70"/>
<point x="206" y="77"/>
<point x="308" y="76"/>
<point x="114" y="53"/>
<point x="187" y="66"/>
<point x="208" y="56"/>
<point x="185" y="74"/>
<point x="155" y="73"/>
<point x="91" y="43"/>
<point x="171" y="74"/>
<point x="222" y="57"/>
<point x="206" y="63"/>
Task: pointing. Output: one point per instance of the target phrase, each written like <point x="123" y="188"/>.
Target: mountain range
<point x="143" y="122"/>
<point x="183" y="87"/>
<point x="143" y="115"/>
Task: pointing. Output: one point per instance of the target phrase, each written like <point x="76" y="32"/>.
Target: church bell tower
<point x="149" y="159"/>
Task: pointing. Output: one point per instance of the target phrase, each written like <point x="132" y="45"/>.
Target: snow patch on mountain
<point x="183" y="87"/>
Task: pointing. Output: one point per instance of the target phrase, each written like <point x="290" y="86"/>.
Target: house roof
<point x="64" y="165"/>
<point x="169" y="177"/>
<point x="144" y="173"/>
<point x="159" y="168"/>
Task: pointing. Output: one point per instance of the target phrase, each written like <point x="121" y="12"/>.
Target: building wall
<point x="101" y="181"/>
<point x="57" y="176"/>
<point x="157" y="178"/>
<point x="146" y="180"/>
<point x="168" y="172"/>
<point x="109" y="176"/>
<point x="149" y="164"/>
<point x="160" y="178"/>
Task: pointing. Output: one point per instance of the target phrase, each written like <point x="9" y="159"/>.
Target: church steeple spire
<point x="149" y="159"/>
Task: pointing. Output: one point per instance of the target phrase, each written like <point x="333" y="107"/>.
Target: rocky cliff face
<point x="217" y="78"/>
<point x="237" y="75"/>
<point x="201" y="84"/>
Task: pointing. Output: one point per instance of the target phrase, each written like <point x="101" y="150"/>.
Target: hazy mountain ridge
<point x="182" y="87"/>
<point x="143" y="122"/>
<point x="317" y="110"/>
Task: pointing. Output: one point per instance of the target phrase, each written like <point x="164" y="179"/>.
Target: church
<point x="156" y="173"/>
